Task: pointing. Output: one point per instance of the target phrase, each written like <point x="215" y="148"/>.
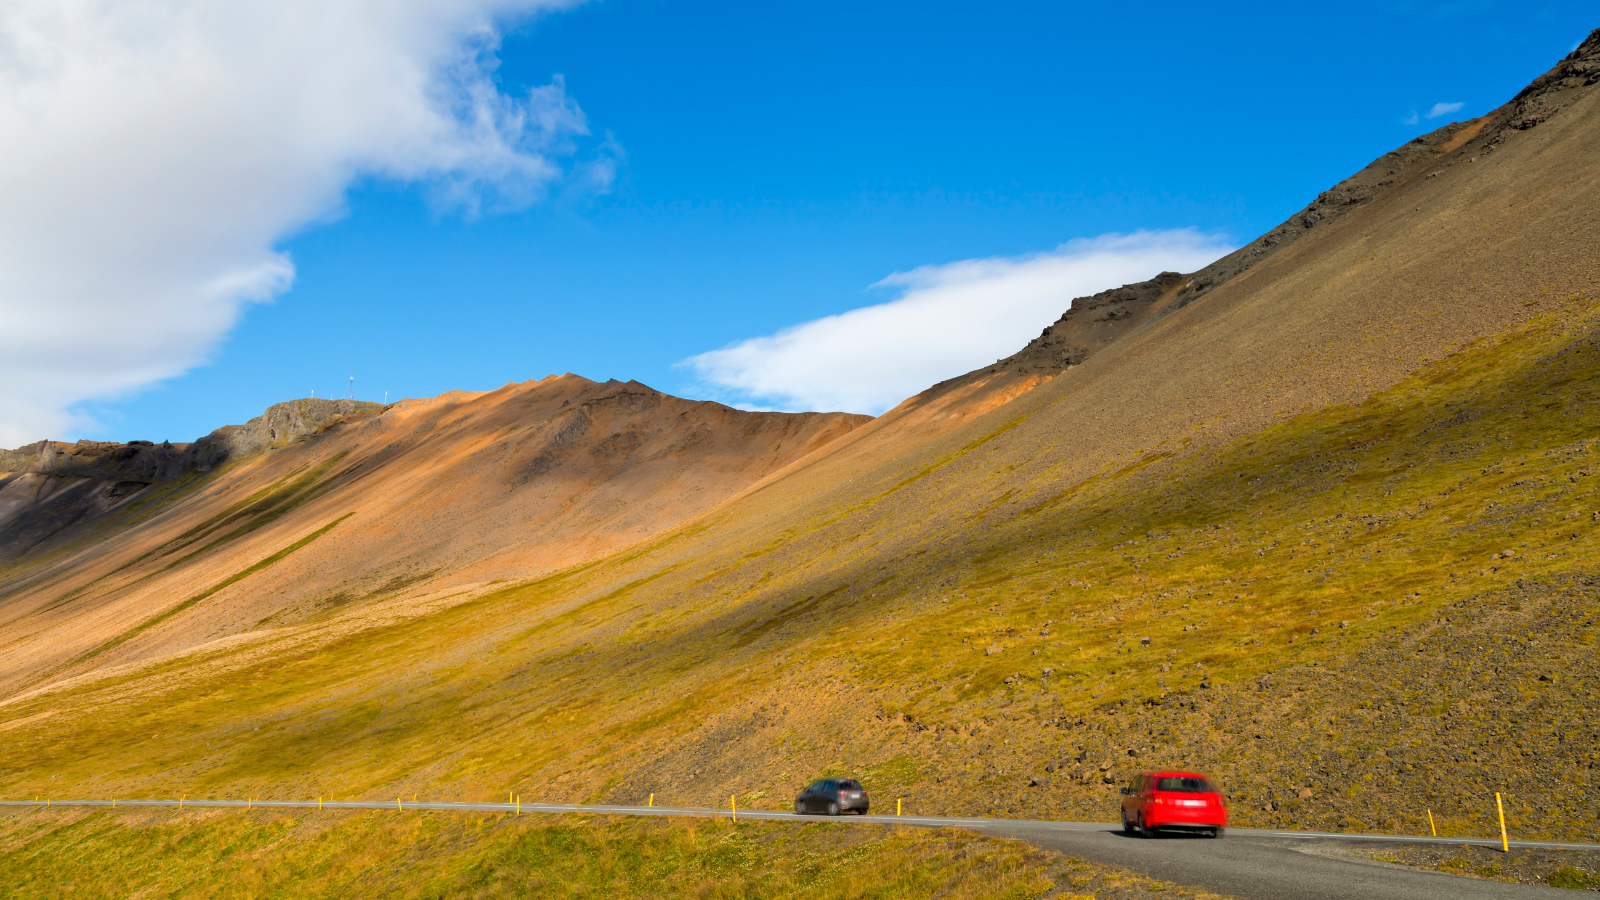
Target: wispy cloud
<point x="947" y="319"/>
<point x="1411" y="119"/>
<point x="153" y="154"/>
<point x="1442" y="109"/>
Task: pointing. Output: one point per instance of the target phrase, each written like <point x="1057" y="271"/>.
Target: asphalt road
<point x="1246" y="863"/>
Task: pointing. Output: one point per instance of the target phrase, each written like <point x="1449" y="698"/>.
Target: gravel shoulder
<point x="1579" y="869"/>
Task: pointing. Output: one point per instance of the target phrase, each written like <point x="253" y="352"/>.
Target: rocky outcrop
<point x="1378" y="178"/>
<point x="1549" y="93"/>
<point x="1089" y="324"/>
<point x="146" y="462"/>
<point x="281" y="425"/>
<point x="1093" y="323"/>
<point x="140" y="461"/>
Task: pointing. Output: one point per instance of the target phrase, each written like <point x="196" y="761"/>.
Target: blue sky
<point x="770" y="164"/>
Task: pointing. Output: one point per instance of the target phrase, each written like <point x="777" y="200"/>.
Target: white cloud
<point x="1442" y="109"/>
<point x="948" y="320"/>
<point x="1411" y="119"/>
<point x="153" y="152"/>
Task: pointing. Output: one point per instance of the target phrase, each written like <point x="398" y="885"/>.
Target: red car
<point x="1176" y="801"/>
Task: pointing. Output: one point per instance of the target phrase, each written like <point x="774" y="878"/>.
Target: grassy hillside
<point x="422" y="855"/>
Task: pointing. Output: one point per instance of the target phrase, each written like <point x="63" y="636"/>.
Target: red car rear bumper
<point x="1168" y="816"/>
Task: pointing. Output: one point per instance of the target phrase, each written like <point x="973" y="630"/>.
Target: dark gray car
<point x="832" y="796"/>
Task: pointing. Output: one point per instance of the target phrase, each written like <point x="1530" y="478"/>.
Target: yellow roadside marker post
<point x="180" y="804"/>
<point x="113" y="803"/>
<point x="652" y="802"/>
<point x="250" y="803"/>
<point x="319" y="804"/>
<point x="519" y="804"/>
<point x="1432" y="830"/>
<point x="733" y="804"/>
<point x="1505" y="845"/>
<point x="897" y="806"/>
<point x="397" y="805"/>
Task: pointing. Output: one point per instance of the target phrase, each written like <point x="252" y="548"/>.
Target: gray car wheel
<point x="833" y="808"/>
<point x="1143" y="831"/>
<point x="799" y="808"/>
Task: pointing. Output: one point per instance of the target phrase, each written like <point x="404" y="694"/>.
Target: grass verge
<point x="216" y="854"/>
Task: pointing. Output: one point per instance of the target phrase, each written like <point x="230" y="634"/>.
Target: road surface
<point x="1247" y="863"/>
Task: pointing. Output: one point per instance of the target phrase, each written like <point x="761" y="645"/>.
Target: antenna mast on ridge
<point x="352" y="387"/>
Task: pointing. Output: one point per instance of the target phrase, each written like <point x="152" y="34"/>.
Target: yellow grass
<point x="427" y="855"/>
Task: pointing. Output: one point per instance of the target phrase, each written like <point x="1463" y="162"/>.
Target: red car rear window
<point x="1185" y="784"/>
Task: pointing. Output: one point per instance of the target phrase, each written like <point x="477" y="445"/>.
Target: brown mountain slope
<point x="1431" y="247"/>
<point x="1090" y="324"/>
<point x="1290" y="484"/>
<point x="456" y="492"/>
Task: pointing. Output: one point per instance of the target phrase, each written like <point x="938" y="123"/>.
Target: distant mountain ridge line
<point x="146" y="461"/>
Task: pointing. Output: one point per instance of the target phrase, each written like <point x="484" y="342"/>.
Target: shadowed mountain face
<point x="48" y="486"/>
<point x="1313" y="514"/>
